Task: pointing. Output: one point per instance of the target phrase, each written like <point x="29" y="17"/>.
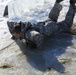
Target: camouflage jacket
<point x="38" y="32"/>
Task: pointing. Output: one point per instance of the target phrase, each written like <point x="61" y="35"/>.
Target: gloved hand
<point x="72" y="2"/>
<point x="25" y="26"/>
<point x="58" y="1"/>
<point x="41" y="23"/>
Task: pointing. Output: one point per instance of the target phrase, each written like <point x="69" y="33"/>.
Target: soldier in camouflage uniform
<point x="37" y="33"/>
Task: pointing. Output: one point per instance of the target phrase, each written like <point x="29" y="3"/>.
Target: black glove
<point x="25" y="26"/>
<point x="72" y="2"/>
<point x="58" y="1"/>
<point x="41" y="23"/>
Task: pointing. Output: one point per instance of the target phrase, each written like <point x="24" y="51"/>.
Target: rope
<point x="6" y="46"/>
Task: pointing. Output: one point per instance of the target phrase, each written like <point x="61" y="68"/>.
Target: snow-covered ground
<point x="63" y="47"/>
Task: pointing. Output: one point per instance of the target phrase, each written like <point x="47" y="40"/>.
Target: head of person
<point x="16" y="31"/>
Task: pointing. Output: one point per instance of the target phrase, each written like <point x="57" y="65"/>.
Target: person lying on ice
<point x="35" y="34"/>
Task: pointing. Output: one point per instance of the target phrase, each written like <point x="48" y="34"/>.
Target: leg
<point x="65" y="25"/>
<point x="54" y="28"/>
<point x="54" y="13"/>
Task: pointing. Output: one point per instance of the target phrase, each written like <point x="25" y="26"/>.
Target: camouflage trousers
<point x="39" y="32"/>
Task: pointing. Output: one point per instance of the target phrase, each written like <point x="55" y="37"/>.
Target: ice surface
<point x="25" y="10"/>
<point x="29" y="62"/>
